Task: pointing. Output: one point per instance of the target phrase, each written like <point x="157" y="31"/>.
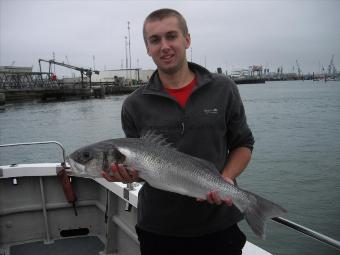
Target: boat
<point x="37" y="218"/>
<point x="249" y="80"/>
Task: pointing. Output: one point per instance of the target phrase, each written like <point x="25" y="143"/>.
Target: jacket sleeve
<point x="238" y="131"/>
<point x="128" y="123"/>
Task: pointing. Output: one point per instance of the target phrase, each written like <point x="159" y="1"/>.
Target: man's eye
<point x="171" y="37"/>
<point x="154" y="40"/>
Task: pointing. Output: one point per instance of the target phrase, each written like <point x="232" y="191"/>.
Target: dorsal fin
<point x="157" y="139"/>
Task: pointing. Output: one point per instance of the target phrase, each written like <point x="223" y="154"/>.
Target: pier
<point x="21" y="84"/>
<point x="61" y="91"/>
<point x="2" y="101"/>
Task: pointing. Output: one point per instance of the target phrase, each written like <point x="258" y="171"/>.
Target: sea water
<point x="296" y="158"/>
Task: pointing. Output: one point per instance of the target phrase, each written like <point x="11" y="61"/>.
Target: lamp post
<point x="126" y="58"/>
<point x="129" y="51"/>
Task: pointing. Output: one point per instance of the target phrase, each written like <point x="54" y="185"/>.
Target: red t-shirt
<point x="182" y="94"/>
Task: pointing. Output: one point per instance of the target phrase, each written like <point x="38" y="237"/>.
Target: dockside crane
<point x="68" y="62"/>
<point x="87" y="72"/>
<point x="331" y="67"/>
<point x="299" y="69"/>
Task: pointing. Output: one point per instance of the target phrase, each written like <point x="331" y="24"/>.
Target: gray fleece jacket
<point x="212" y="124"/>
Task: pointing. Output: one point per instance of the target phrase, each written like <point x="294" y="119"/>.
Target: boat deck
<point x="87" y="245"/>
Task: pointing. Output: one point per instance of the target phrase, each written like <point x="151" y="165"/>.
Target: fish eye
<point x="86" y="155"/>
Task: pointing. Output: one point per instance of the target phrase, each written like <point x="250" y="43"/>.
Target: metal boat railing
<point x="35" y="143"/>
<point x="301" y="229"/>
<point x="41" y="183"/>
<point x="309" y="232"/>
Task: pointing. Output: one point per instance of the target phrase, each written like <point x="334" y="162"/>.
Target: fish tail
<point x="259" y="211"/>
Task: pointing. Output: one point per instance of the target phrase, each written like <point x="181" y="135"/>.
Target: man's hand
<point x="214" y="198"/>
<point x="120" y="173"/>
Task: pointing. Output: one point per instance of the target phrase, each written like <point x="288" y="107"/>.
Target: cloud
<point x="224" y="33"/>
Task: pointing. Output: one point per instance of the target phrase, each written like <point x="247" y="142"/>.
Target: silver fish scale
<point x="175" y="171"/>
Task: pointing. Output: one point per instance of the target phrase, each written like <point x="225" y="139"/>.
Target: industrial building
<point x="134" y="75"/>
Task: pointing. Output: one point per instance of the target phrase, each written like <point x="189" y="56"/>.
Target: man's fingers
<point x="214" y="198"/>
<point x="120" y="173"/>
<point x="124" y="174"/>
<point x="108" y="177"/>
<point x="129" y="175"/>
<point x="115" y="173"/>
<point x="210" y="198"/>
<point x="229" y="201"/>
<point x="133" y="174"/>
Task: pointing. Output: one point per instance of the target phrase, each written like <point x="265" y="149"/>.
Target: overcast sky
<point x="227" y="34"/>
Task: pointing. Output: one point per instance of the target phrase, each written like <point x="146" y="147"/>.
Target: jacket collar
<point x="155" y="85"/>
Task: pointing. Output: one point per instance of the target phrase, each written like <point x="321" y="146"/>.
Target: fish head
<point x="92" y="160"/>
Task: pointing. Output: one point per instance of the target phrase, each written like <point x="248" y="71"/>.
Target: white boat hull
<point x="33" y="207"/>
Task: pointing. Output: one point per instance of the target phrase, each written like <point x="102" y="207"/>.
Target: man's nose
<point x="165" y="44"/>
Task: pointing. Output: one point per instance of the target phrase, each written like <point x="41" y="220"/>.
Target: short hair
<point x="165" y="13"/>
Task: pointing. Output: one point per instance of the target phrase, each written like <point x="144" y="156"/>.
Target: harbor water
<point x="296" y="160"/>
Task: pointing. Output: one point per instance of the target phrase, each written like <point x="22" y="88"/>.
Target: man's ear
<point x="147" y="50"/>
<point x="187" y="41"/>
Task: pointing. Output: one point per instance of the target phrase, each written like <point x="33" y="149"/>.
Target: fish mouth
<point x="76" y="168"/>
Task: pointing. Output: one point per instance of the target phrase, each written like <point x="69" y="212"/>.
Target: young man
<point x="201" y="114"/>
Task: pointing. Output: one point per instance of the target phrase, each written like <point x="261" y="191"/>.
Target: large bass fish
<point x="165" y="168"/>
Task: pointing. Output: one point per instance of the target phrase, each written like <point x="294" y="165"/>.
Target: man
<point x="201" y="114"/>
